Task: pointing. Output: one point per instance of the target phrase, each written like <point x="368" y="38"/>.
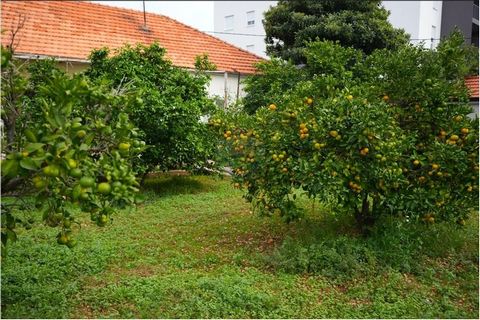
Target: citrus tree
<point x="76" y="153"/>
<point x="386" y="133"/>
<point x="169" y="106"/>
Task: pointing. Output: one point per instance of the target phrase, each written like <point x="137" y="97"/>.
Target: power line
<point x="264" y="35"/>
<point x="437" y="38"/>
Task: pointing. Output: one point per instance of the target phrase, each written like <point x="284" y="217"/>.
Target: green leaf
<point x="32" y="147"/>
<point x="61" y="146"/>
<point x="29" y="164"/>
<point x="9" y="168"/>
<point x="30" y="135"/>
<point x="89" y="138"/>
<point x="39" y="160"/>
<point x="59" y="118"/>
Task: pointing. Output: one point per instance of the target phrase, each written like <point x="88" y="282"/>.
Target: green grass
<point x="194" y="250"/>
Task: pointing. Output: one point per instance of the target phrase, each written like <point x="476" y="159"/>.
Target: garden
<point x="343" y="185"/>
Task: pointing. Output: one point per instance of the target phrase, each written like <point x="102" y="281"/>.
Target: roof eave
<point x="221" y="71"/>
<point x="32" y="56"/>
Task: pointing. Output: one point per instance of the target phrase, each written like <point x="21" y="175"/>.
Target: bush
<point x="382" y="134"/>
<point x="77" y="150"/>
<point x="170" y="103"/>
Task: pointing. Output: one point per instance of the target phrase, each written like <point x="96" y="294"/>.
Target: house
<point x="472" y="85"/>
<point x="69" y="30"/>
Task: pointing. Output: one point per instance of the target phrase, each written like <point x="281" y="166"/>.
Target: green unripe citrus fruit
<point x="87" y="182"/>
<point x="124" y="146"/>
<point x="104" y="188"/>
<point x="62" y="239"/>
<point x="76" y="173"/>
<point x="102" y="220"/>
<point x="51" y="171"/>
<point x="72" y="163"/>
<point x="71" y="243"/>
<point x="81" y="133"/>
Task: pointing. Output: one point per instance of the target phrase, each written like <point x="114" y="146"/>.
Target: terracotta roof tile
<point x="472" y="84"/>
<point x="71" y="29"/>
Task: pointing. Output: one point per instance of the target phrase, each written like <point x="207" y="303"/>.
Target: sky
<point x="198" y="14"/>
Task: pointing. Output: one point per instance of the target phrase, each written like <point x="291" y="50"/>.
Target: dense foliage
<point x="272" y="79"/>
<point x="74" y="147"/>
<point x="170" y="104"/>
<point x="377" y="134"/>
<point x="360" y="24"/>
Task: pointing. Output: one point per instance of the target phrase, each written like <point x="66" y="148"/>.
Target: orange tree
<point x="76" y="151"/>
<point x="170" y="103"/>
<point x="386" y="133"/>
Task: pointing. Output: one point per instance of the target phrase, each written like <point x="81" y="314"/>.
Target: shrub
<point x="75" y="151"/>
<point x="382" y="134"/>
<point x="169" y="105"/>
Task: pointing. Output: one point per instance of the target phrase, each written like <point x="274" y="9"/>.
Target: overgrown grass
<point x="194" y="250"/>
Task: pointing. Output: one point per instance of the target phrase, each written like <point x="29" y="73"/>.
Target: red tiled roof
<point x="472" y="85"/>
<point x="71" y="29"/>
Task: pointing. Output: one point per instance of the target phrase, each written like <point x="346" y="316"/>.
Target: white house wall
<point x="217" y="86"/>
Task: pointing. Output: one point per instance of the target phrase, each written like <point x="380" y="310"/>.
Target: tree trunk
<point x="364" y="217"/>
<point x="11" y="185"/>
<point x="10" y="126"/>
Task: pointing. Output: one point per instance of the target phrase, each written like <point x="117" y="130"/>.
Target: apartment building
<point x="240" y="22"/>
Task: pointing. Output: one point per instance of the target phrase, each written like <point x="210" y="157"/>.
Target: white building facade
<point x="421" y="19"/>
<point x="240" y="23"/>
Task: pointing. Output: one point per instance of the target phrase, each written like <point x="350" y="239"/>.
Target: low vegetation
<point x="193" y="249"/>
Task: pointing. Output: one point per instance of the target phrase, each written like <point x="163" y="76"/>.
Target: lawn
<point x="194" y="249"/>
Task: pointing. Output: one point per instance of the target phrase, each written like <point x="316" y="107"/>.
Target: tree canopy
<point x="359" y="24"/>
<point x="170" y="104"/>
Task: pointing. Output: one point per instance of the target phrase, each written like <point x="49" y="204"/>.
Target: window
<point x="229" y="22"/>
<point x="250" y="18"/>
<point x="250" y="47"/>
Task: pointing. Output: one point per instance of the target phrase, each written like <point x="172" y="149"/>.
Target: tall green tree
<point x="359" y="24"/>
